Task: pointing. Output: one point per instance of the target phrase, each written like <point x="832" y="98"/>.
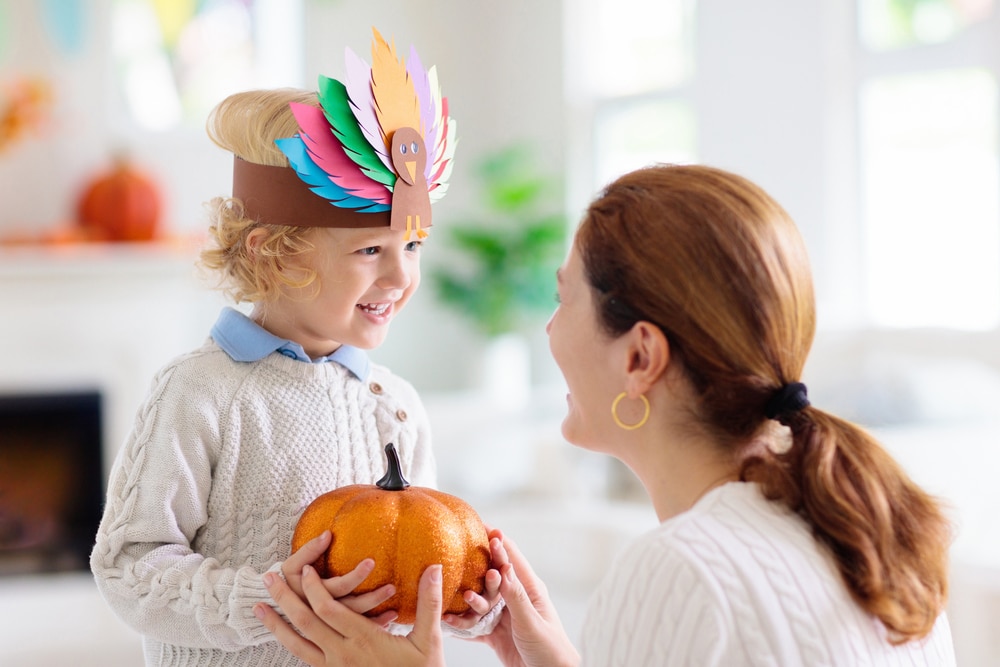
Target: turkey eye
<point x="402" y="149"/>
<point x="414" y="148"/>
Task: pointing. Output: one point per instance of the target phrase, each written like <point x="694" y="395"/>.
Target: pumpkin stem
<point x="393" y="479"/>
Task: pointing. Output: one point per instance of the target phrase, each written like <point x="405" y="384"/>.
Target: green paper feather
<point x="337" y="109"/>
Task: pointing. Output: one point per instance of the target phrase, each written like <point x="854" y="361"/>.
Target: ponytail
<point x="889" y="538"/>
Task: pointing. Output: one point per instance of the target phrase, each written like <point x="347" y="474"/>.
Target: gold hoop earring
<point x="623" y="425"/>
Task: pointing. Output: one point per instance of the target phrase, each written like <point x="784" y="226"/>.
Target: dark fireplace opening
<point x="51" y="481"/>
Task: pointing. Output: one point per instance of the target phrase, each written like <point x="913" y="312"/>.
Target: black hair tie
<point x="790" y="398"/>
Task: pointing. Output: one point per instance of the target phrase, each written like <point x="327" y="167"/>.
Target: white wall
<point x="499" y="64"/>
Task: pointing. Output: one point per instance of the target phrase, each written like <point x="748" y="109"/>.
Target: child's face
<point x="364" y="277"/>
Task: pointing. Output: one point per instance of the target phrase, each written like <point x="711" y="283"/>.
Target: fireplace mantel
<point x="99" y="316"/>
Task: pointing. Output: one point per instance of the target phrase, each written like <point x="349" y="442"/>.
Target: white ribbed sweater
<point x="738" y="580"/>
<point x="206" y="491"/>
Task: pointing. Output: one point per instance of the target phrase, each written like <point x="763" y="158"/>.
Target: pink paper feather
<point x="329" y="155"/>
<point x="445" y="149"/>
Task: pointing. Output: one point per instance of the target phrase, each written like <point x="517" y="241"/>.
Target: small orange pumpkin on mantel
<point x="123" y="204"/>
<point x="404" y="529"/>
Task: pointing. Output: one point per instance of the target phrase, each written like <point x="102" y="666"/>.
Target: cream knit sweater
<point x="738" y="580"/>
<point x="205" y="493"/>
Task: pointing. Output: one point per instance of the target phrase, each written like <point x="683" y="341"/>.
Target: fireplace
<point x="51" y="483"/>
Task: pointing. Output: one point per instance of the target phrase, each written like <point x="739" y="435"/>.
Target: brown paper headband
<point x="277" y="196"/>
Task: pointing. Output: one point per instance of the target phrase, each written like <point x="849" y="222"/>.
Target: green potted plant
<point x="503" y="273"/>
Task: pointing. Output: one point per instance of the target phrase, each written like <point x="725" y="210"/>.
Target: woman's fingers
<point x="299" y="646"/>
<point x="535" y="587"/>
<point x="521" y="588"/>
<point x="313" y="630"/>
<point x="498" y="555"/>
<point x="426" y="635"/>
<point x="329" y="611"/>
<point x="514" y="594"/>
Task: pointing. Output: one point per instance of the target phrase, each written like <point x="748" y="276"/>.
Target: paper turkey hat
<point x="376" y="152"/>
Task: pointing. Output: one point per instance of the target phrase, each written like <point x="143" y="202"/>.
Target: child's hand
<point x="342" y="587"/>
<point x="479" y="605"/>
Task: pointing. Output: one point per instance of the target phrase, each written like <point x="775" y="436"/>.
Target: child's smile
<point x="364" y="277"/>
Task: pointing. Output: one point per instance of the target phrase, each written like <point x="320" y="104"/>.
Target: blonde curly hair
<point x="246" y="124"/>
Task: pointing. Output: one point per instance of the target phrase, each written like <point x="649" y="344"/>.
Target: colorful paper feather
<point x="343" y="149"/>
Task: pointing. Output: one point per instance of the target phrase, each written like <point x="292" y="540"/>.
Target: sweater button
<point x="375" y="387"/>
<point x="401" y="415"/>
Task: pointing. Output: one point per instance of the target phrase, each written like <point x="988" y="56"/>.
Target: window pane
<point x="929" y="145"/>
<point x="622" y="55"/>
<point x="891" y="24"/>
<point x="177" y="58"/>
<point x="638" y="134"/>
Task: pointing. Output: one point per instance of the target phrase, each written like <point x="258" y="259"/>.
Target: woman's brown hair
<point x="721" y="269"/>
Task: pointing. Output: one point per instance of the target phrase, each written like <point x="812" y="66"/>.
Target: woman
<point x="787" y="537"/>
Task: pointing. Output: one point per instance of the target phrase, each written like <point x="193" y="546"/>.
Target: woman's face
<point x="585" y="355"/>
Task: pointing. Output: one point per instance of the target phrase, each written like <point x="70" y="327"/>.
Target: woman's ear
<point x="648" y="356"/>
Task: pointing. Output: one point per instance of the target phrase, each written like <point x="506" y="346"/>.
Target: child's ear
<point x="254" y="240"/>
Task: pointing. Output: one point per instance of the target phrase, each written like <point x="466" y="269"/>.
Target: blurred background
<point x="874" y="123"/>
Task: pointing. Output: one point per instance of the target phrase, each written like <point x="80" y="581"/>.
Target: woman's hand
<point x="333" y="634"/>
<point x="341" y="587"/>
<point x="479" y="605"/>
<point x="530" y="633"/>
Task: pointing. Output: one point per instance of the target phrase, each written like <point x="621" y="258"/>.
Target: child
<point x="280" y="406"/>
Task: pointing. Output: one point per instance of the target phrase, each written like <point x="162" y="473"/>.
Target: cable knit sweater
<point x="738" y="580"/>
<point x="204" y="496"/>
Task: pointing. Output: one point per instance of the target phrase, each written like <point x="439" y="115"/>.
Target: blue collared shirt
<point x="245" y="340"/>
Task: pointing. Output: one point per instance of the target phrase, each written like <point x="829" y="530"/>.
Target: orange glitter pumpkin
<point x="404" y="529"/>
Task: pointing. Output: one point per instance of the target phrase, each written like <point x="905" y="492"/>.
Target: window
<point x="889" y="111"/>
<point x="930" y="169"/>
<point x="631" y="82"/>
<point x="176" y="59"/>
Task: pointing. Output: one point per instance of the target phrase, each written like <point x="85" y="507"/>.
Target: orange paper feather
<point x="396" y="103"/>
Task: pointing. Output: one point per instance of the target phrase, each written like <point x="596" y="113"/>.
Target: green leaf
<point x="508" y="252"/>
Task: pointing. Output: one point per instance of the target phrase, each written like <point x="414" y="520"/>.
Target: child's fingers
<point x="345" y="584"/>
<point x="367" y="601"/>
<point x="481" y="604"/>
<point x="308" y="553"/>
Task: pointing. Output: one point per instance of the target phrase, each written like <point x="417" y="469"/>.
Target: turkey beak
<point x="411" y="166"/>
